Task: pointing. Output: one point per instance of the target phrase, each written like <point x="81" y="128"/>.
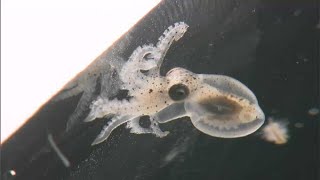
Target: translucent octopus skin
<point x="217" y="105"/>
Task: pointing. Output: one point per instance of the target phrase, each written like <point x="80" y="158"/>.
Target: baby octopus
<point x="217" y="105"/>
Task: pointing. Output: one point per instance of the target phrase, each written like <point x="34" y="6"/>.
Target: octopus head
<point x="218" y="105"/>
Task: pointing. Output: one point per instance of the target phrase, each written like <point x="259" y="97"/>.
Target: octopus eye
<point x="178" y="92"/>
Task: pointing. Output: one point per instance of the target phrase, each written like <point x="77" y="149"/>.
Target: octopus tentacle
<point x="149" y="57"/>
<point x="173" y="33"/>
<point x="137" y="62"/>
<point x="111" y="125"/>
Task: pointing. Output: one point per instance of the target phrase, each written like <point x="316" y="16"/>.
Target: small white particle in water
<point x="275" y="132"/>
<point x="313" y="111"/>
<point x="298" y="125"/>
<point x="12" y="172"/>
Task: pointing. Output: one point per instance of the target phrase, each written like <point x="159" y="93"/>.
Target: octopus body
<point x="217" y="105"/>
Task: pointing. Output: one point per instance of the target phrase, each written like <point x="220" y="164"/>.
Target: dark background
<point x="271" y="46"/>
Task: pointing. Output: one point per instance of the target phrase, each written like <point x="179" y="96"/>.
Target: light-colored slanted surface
<point x="44" y="44"/>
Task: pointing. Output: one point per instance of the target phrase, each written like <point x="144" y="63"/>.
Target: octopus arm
<point x="71" y="89"/>
<point x="173" y="33"/>
<point x="115" y="122"/>
<point x="97" y="109"/>
<point x="138" y="62"/>
<point x="110" y="83"/>
<point x="149" y="57"/>
<point x="83" y="104"/>
<point x="87" y="96"/>
<point x="171" y="112"/>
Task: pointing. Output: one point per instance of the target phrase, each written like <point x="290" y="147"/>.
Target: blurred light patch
<point x="46" y="43"/>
